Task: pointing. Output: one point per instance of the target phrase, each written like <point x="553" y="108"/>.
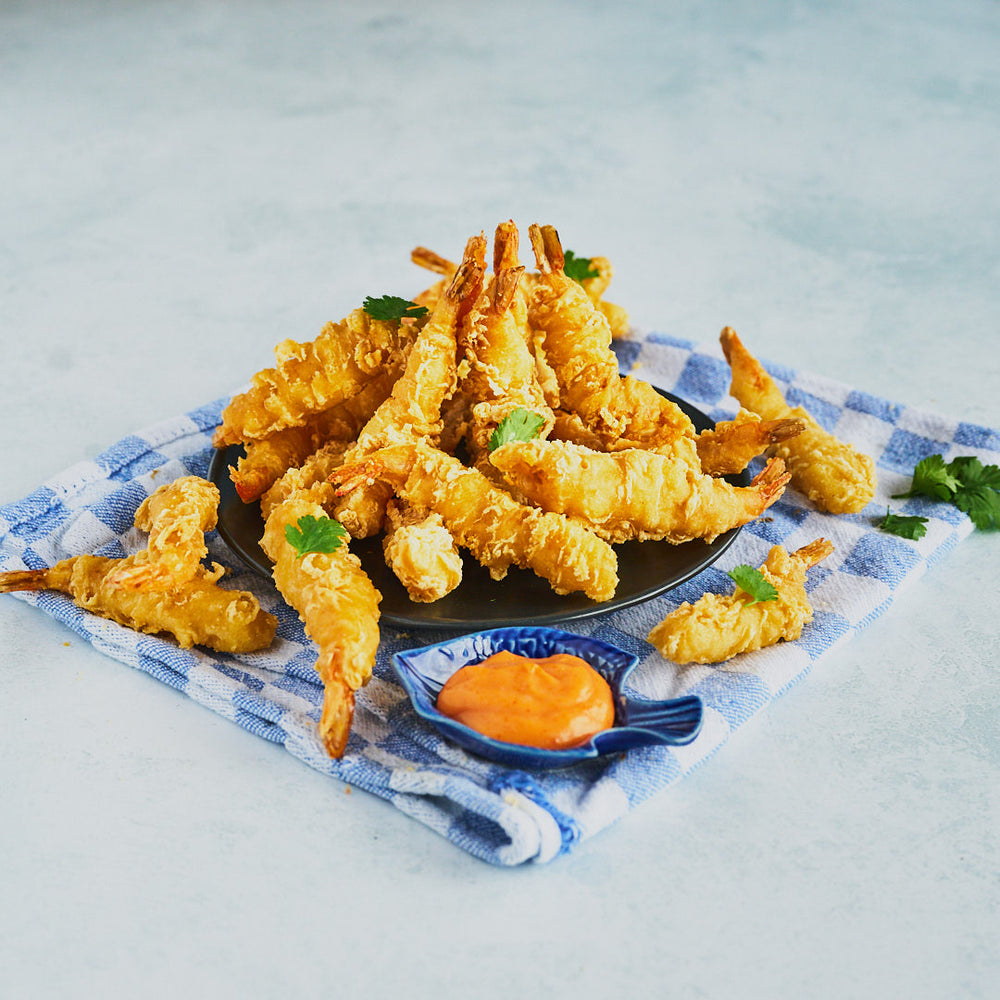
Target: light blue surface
<point x="184" y="185"/>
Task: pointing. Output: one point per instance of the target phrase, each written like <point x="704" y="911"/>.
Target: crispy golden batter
<point x="267" y="460"/>
<point x="311" y="476"/>
<point x="725" y="449"/>
<point x="835" y="476"/>
<point x="176" y="516"/>
<point x="731" y="445"/>
<point x="496" y="529"/>
<point x="313" y="376"/>
<point x="339" y="606"/>
<point x="413" y="409"/>
<point x="577" y="347"/>
<point x="636" y="493"/>
<point x="717" y="627"/>
<point x="421" y="552"/>
<point x="163" y="588"/>
<point x="502" y="375"/>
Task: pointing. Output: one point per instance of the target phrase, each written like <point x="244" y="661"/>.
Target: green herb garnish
<point x="392" y="307"/>
<point x="315" y="534"/>
<point x="972" y="487"/>
<point x="754" y="583"/>
<point x="578" y="268"/>
<point x="931" y="478"/>
<point x="905" y="526"/>
<point x="519" y="425"/>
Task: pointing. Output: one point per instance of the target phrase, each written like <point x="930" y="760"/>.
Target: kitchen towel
<point x="501" y="815"/>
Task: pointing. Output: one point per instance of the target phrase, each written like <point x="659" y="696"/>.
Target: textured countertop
<point x="184" y="185"/>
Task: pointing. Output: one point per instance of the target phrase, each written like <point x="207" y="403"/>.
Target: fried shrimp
<point x="339" y="606"/>
<point x="313" y="376"/>
<point x="421" y="553"/>
<point x="496" y="529"/>
<point x="413" y="409"/>
<point x="267" y="460"/>
<point x="311" y="475"/>
<point x="724" y="450"/>
<point x="717" y="627"/>
<point x="576" y="341"/>
<point x="197" y="612"/>
<point x="832" y="474"/>
<point x="176" y="516"/>
<point x="502" y="375"/>
<point x="636" y="494"/>
<point x="731" y="445"/>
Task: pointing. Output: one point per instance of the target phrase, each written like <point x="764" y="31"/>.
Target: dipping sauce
<point x="552" y="702"/>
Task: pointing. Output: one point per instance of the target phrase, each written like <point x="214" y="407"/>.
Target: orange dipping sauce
<point x="553" y="702"/>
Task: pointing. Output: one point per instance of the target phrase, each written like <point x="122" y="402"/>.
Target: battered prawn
<point x="717" y="627"/>
<point x="835" y="476"/>
<point x="731" y="445"/>
<point x="413" y="409"/>
<point x="636" y="494"/>
<point x="196" y="612"/>
<point x="576" y="346"/>
<point x="726" y="449"/>
<point x="313" y="376"/>
<point x="267" y="459"/>
<point x="339" y="606"/>
<point x="497" y="530"/>
<point x="311" y="476"/>
<point x="176" y="517"/>
<point x="502" y="375"/>
<point x="421" y="552"/>
<point x="163" y="588"/>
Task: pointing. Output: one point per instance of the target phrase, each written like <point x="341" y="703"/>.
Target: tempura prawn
<point x="339" y="606"/>
<point x="413" y="409"/>
<point x="576" y="345"/>
<point x="636" y="494"/>
<point x="163" y="588"/>
<point x="835" y="476"/>
<point x="421" y="552"/>
<point x="267" y="459"/>
<point x="717" y="627"/>
<point x="483" y="518"/>
<point x="313" y="376"/>
<point x="176" y="516"/>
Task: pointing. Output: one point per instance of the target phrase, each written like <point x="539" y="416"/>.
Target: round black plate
<point x="645" y="569"/>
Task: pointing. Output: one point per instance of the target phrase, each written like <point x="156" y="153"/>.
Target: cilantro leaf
<point x="754" y="583"/>
<point x="315" y="534"/>
<point x="578" y="268"/>
<point x="390" y="307"/>
<point x="982" y="504"/>
<point x="972" y="487"/>
<point x="972" y="473"/>
<point x="931" y="478"/>
<point x="519" y="425"/>
<point x="905" y="526"/>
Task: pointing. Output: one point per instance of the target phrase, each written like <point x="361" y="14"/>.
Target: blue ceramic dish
<point x="638" y="723"/>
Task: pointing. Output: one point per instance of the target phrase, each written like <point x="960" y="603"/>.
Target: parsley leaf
<point x="578" y="268"/>
<point x="390" y="307"/>
<point x="315" y="534"/>
<point x="519" y="425"/>
<point x="905" y="526"/>
<point x="754" y="583"/>
<point x="931" y="478"/>
<point x="982" y="504"/>
<point x="972" y="487"/>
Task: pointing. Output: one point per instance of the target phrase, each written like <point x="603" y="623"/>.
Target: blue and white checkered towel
<point x="498" y="814"/>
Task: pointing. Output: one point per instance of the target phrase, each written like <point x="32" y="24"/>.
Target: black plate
<point x="645" y="569"/>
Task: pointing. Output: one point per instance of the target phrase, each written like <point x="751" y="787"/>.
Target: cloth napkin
<point x="501" y="815"/>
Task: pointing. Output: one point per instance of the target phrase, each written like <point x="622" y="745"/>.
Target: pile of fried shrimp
<point x="392" y="426"/>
